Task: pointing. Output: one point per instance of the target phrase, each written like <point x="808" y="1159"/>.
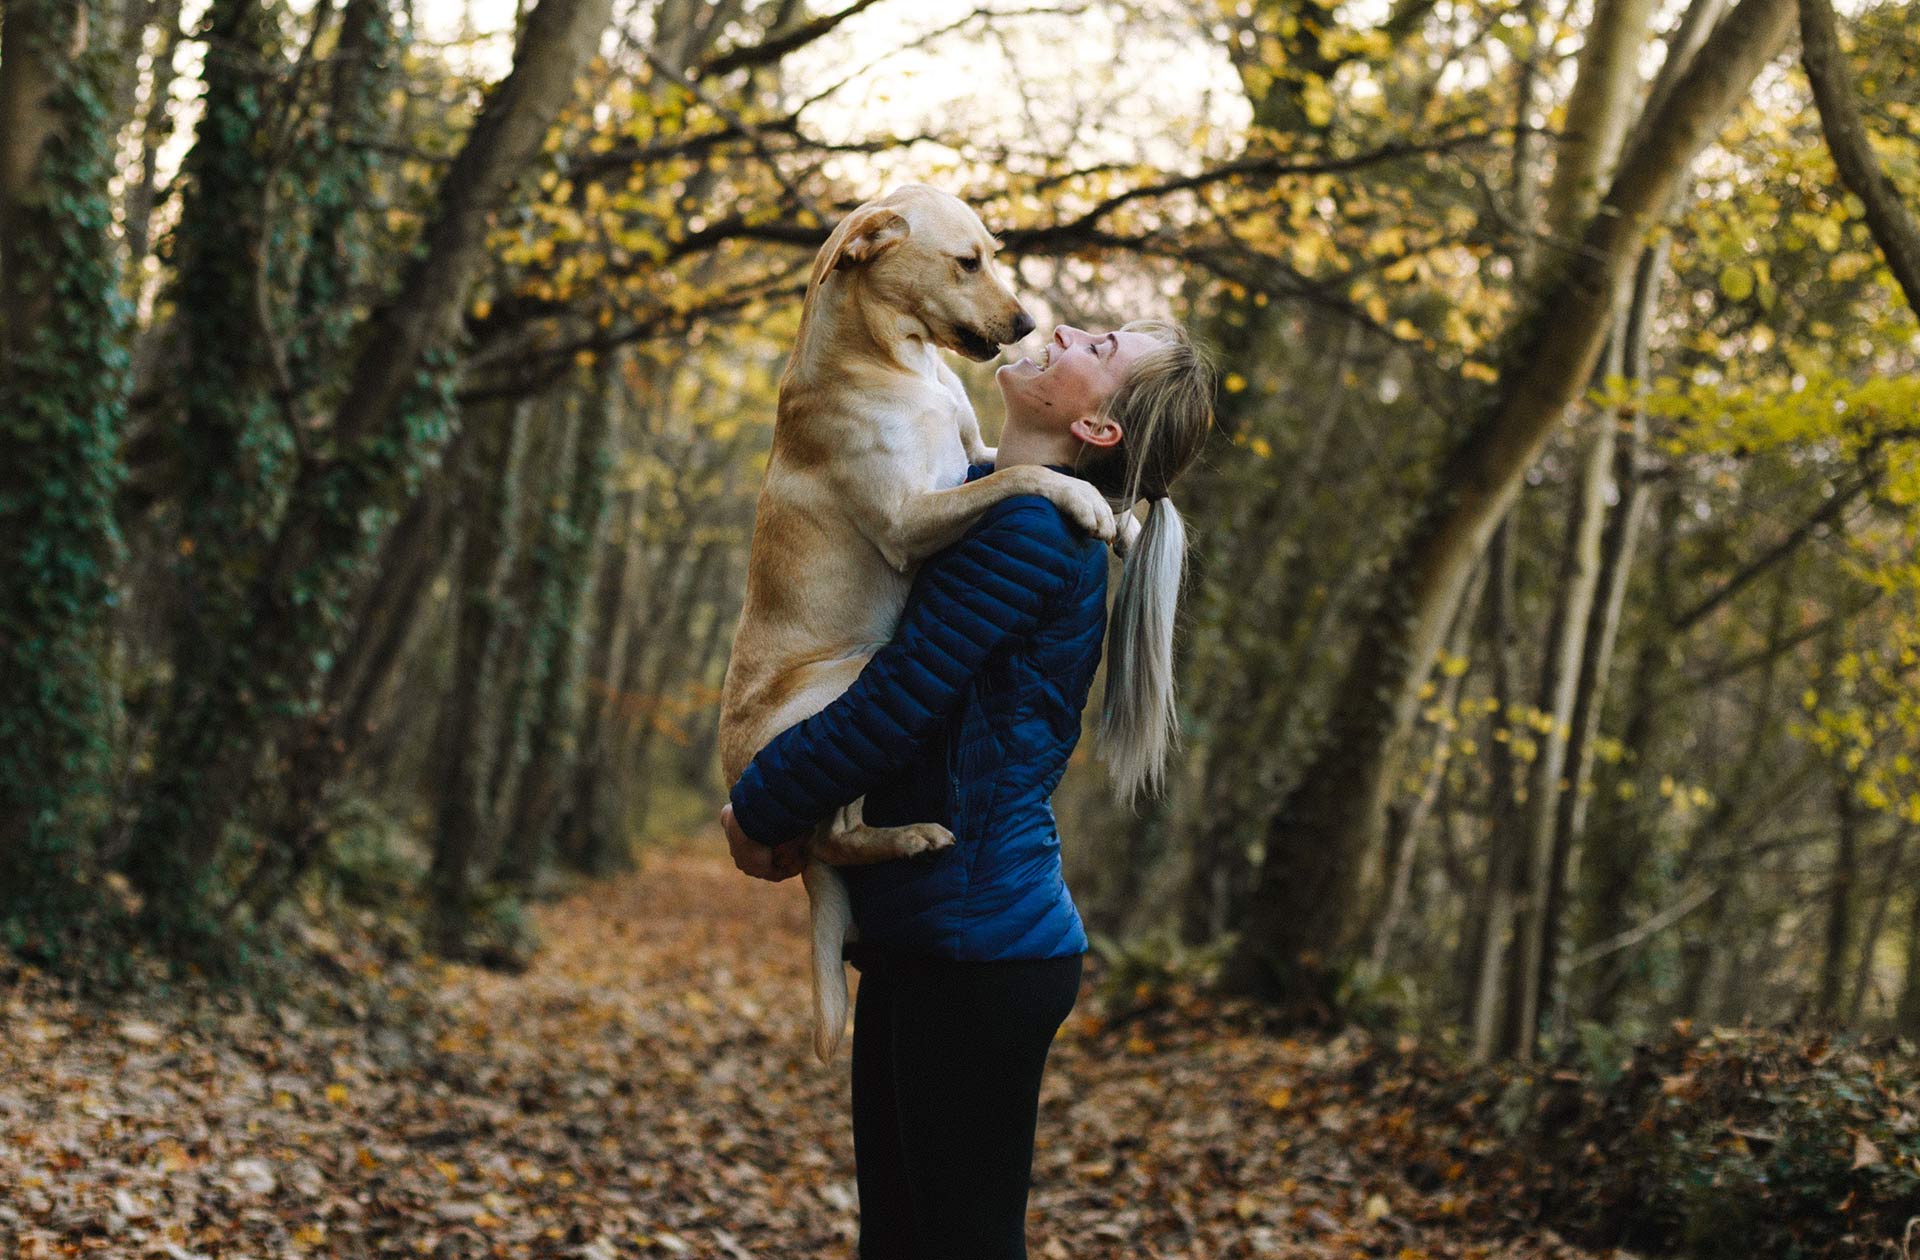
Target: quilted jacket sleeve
<point x="989" y="588"/>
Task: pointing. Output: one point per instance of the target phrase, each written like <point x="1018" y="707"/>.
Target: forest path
<point x="646" y="1089"/>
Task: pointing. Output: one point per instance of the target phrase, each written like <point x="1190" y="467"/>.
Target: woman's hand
<point x="753" y="858"/>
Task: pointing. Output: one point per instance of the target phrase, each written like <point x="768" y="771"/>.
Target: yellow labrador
<point x="867" y="478"/>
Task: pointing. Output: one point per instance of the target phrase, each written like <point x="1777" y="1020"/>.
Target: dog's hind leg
<point x="849" y="841"/>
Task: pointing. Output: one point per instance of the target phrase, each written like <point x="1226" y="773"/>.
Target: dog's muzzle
<point x="975" y="345"/>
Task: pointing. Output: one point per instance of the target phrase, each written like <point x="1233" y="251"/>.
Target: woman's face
<point x="1077" y="372"/>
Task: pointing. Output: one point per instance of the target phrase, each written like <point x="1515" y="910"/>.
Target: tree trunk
<point x="387" y="612"/>
<point x="1400" y="881"/>
<point x="1906" y="1016"/>
<point x="1844" y="876"/>
<point x="703" y="749"/>
<point x="1883" y="892"/>
<point x="1603" y="628"/>
<point x="526" y="633"/>
<point x="589" y="835"/>
<point x="1488" y="925"/>
<point x="669" y="651"/>
<point x="1892" y="224"/>
<point x="1322" y="831"/>
<point x="1578" y="579"/>
<point x="234" y="447"/>
<point x="337" y="165"/>
<point x="1840" y="898"/>
<point x="488" y="504"/>
<point x="1598" y="110"/>
<point x="576" y="528"/>
<point x="62" y="398"/>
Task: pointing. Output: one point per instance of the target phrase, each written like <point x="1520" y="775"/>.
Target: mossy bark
<point x="62" y="397"/>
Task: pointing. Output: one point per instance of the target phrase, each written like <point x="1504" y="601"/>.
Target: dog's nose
<point x="1022" y="324"/>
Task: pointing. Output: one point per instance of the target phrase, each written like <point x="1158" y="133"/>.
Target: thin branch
<point x="1754" y="660"/>
<point x="541" y="368"/>
<point x="773" y="48"/>
<point x="1759" y="565"/>
<point x="1633" y="936"/>
<point x="930" y="37"/>
<point x="1268" y="166"/>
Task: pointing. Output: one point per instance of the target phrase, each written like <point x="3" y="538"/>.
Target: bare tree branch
<point x="773" y="48"/>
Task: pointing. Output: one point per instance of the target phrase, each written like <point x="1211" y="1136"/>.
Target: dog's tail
<point x="832" y="913"/>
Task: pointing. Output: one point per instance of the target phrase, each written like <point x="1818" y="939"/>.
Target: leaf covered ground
<point x="646" y="1089"/>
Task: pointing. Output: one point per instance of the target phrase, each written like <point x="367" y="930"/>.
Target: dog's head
<point x="926" y="258"/>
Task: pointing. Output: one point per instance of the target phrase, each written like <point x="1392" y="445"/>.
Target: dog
<point x="867" y="478"/>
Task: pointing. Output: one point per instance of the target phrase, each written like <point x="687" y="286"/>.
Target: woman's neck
<point x="1024" y="444"/>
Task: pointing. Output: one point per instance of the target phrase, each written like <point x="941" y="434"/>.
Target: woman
<point x="970" y="957"/>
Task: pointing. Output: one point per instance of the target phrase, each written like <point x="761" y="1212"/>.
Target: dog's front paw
<point x="921" y="838"/>
<point x="1084" y="506"/>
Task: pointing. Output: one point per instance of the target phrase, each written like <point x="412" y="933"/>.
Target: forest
<point x="386" y="387"/>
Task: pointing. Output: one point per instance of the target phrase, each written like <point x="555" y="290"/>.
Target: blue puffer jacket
<point x="966" y="718"/>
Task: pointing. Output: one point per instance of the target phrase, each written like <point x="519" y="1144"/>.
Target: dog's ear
<point x="871" y="233"/>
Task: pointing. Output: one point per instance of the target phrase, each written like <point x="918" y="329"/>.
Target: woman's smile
<point x="1058" y="339"/>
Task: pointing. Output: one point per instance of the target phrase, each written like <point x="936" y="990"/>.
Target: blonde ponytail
<point x="1165" y="409"/>
<point x="1139" y="723"/>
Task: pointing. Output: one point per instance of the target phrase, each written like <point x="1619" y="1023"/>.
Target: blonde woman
<point x="970" y="957"/>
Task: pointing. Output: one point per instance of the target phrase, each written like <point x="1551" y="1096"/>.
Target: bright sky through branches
<point x="1071" y="81"/>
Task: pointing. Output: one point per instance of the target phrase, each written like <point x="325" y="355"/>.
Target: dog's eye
<point x="970" y="263"/>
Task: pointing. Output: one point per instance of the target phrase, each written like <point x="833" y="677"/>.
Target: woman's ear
<point x="869" y="234"/>
<point x="1097" y="431"/>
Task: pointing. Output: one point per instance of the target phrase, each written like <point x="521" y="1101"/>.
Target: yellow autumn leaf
<point x="1316" y="99"/>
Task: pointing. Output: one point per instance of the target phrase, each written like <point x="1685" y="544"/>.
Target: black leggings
<point x="947" y="1057"/>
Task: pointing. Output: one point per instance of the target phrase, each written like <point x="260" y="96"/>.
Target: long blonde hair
<point x="1165" y="411"/>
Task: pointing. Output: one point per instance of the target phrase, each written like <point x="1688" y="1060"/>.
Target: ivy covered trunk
<point x="62" y="394"/>
<point x="563" y="561"/>
<point x="233" y="449"/>
<point x="488" y="477"/>
<point x="261" y="678"/>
